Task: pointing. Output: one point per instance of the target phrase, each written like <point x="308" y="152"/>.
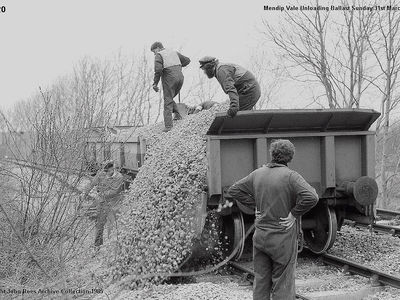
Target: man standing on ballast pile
<point x="168" y="66"/>
<point x="279" y="196"/>
<point x="241" y="85"/>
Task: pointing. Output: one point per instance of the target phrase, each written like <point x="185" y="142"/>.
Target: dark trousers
<point x="171" y="87"/>
<point x="104" y="208"/>
<point x="100" y="222"/>
<point x="249" y="97"/>
<point x="274" y="257"/>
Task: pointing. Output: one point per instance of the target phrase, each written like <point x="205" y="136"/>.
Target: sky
<point x="41" y="40"/>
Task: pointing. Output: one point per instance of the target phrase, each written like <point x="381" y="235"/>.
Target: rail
<point x="349" y="266"/>
<point x="359" y="269"/>
<point x="390" y="229"/>
<point x="387" y="213"/>
<point x="250" y="272"/>
<point x="393" y="230"/>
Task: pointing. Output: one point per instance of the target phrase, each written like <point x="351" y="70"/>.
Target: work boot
<point x="96" y="250"/>
<point x="180" y="111"/>
<point x="177" y="117"/>
<point x="166" y="129"/>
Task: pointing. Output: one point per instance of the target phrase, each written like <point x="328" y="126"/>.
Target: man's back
<point x="169" y="58"/>
<point x="279" y="190"/>
<point x="280" y="196"/>
<point x="272" y="193"/>
<point x="169" y="63"/>
<point x="275" y="190"/>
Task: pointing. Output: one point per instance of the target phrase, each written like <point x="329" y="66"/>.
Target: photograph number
<point x="2" y="9"/>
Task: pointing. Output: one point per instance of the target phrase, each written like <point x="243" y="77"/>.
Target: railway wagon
<point x="335" y="153"/>
<point x="120" y="144"/>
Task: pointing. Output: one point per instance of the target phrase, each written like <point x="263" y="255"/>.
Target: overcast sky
<point x="41" y="40"/>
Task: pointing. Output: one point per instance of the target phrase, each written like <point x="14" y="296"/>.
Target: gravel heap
<point x="388" y="293"/>
<point x="379" y="251"/>
<point x="195" y="291"/>
<point x="157" y="224"/>
<point x="328" y="278"/>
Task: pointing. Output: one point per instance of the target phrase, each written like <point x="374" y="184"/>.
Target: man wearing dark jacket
<point x="279" y="196"/>
<point x="109" y="183"/>
<point x="168" y="66"/>
<point x="241" y="85"/>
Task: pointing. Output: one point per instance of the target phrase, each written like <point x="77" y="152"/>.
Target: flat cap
<point x="156" y="45"/>
<point x="206" y="59"/>
<point x="108" y="164"/>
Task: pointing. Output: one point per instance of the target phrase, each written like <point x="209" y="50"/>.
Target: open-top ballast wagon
<point x="335" y="153"/>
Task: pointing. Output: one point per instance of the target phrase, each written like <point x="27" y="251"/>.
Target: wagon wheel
<point x="234" y="230"/>
<point x="320" y="238"/>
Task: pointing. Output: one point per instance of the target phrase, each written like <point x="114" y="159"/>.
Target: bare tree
<point x="136" y="103"/>
<point x="268" y="75"/>
<point x="201" y="89"/>
<point x="46" y="139"/>
<point x="317" y="54"/>
<point x="393" y="166"/>
<point x="117" y="91"/>
<point x="42" y="209"/>
<point x="385" y="45"/>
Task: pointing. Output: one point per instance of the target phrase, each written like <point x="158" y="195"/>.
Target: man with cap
<point x="109" y="183"/>
<point x="278" y="196"/>
<point x="168" y="66"/>
<point x="240" y="84"/>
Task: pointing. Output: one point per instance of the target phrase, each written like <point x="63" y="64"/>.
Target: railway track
<point x="356" y="268"/>
<point x="247" y="272"/>
<point x="387" y="214"/>
<point x="393" y="230"/>
<point x="377" y="227"/>
<point x="388" y="229"/>
<point x="376" y="277"/>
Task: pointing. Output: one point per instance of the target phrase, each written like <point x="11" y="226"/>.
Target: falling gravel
<point x="158" y="221"/>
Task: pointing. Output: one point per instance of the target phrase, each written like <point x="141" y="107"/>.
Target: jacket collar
<point x="275" y="165"/>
